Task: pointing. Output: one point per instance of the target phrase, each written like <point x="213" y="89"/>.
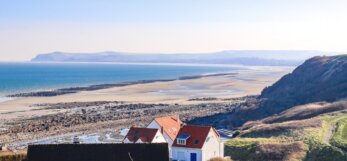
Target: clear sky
<point x="30" y="27"/>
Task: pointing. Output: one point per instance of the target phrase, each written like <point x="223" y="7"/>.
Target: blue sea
<point x="28" y="77"/>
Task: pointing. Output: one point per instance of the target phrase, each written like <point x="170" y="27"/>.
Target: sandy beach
<point x="171" y="92"/>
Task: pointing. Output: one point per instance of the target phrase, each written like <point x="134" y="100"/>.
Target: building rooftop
<point x="146" y="135"/>
<point x="170" y="124"/>
<point x="197" y="136"/>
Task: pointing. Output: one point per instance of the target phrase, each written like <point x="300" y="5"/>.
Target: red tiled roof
<point x="144" y="134"/>
<point x="170" y="124"/>
<point x="197" y="136"/>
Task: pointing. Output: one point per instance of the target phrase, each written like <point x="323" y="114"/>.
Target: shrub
<point x="219" y="159"/>
<point x="12" y="157"/>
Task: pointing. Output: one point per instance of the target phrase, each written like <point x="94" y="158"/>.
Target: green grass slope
<point x="339" y="138"/>
<point x="317" y="134"/>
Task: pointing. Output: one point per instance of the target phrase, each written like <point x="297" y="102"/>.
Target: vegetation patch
<point x="339" y="138"/>
<point x="293" y="140"/>
<point x="264" y="149"/>
<point x="10" y="156"/>
<point x="242" y="148"/>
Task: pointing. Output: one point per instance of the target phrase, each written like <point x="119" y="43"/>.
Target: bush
<point x="219" y="159"/>
<point x="12" y="157"/>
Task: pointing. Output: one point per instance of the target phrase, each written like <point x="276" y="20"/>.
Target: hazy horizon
<point x="33" y="27"/>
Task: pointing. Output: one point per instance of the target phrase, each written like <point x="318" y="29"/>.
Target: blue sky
<point x="29" y="27"/>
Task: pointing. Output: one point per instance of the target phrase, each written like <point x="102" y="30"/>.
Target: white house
<point x="186" y="142"/>
<point x="197" y="143"/>
<point x="144" y="135"/>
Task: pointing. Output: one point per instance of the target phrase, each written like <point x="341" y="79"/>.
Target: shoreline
<point x="72" y="90"/>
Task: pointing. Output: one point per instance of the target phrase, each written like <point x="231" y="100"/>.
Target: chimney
<point x="162" y="130"/>
<point x="176" y="118"/>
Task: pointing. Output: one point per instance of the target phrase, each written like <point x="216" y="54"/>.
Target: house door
<point x="192" y="156"/>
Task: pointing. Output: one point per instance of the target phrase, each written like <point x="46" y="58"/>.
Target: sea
<point x="30" y="77"/>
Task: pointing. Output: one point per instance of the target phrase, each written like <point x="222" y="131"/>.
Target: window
<point x="181" y="141"/>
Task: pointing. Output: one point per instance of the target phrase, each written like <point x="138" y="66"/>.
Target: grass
<point x="339" y="138"/>
<point x="285" y="134"/>
<point x="344" y="132"/>
<point x="243" y="148"/>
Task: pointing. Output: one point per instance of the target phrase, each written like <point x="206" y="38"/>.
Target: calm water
<point x="25" y="77"/>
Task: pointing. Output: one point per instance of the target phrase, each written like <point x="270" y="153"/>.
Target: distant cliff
<point x="251" y="57"/>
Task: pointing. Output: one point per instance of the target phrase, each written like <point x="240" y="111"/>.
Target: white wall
<point x="213" y="147"/>
<point x="159" y="138"/>
<point x="186" y="151"/>
<point x="127" y="141"/>
<point x="155" y="125"/>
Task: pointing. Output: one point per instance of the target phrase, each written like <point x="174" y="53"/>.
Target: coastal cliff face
<point x="318" y="79"/>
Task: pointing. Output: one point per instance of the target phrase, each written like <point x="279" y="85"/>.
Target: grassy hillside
<point x="316" y="132"/>
<point x="319" y="79"/>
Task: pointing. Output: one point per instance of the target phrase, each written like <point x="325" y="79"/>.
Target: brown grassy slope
<point x="285" y="129"/>
<point x="302" y="112"/>
<point x="247" y="149"/>
<point x="308" y="124"/>
<point x="280" y="151"/>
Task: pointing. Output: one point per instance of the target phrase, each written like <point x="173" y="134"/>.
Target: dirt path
<point x="329" y="133"/>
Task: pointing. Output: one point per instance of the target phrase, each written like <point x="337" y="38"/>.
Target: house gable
<point x="169" y="125"/>
<point x="159" y="138"/>
<point x="213" y="146"/>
